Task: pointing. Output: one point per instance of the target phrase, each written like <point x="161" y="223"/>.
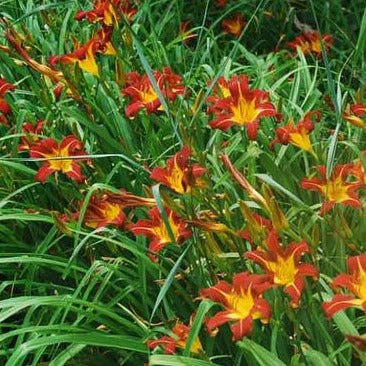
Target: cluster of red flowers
<point x="108" y="13"/>
<point x="233" y="103"/>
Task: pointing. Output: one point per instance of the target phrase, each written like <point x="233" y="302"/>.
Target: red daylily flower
<point x="157" y="232"/>
<point x="31" y="135"/>
<point x="108" y="12"/>
<point x="179" y="175"/>
<point x="235" y="25"/>
<point x="4" y="105"/>
<point x="101" y="212"/>
<point x="283" y="265"/>
<point x="354" y="282"/>
<point x="84" y="56"/>
<point x="310" y="42"/>
<point x="143" y="95"/>
<point x="242" y="301"/>
<point x="221" y="3"/>
<point x="353" y="116"/>
<point x="244" y="107"/>
<point x="220" y="91"/>
<point x="185" y="32"/>
<point x="297" y="135"/>
<point x="49" y="148"/>
<point x="178" y="340"/>
<point x="357" y="169"/>
<point x="335" y="190"/>
<point x="107" y="208"/>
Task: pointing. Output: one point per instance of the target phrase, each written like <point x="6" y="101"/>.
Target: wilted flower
<point x="156" y="230"/>
<point x="177" y="340"/>
<point x="50" y="149"/>
<point x="283" y="265"/>
<point x="179" y="175"/>
<point x="336" y="189"/>
<point x="243" y="107"/>
<point x="107" y="208"/>
<point x="354" y="282"/>
<point x="310" y="42"/>
<point x="235" y="25"/>
<point x="243" y="302"/>
<point x="143" y="95"/>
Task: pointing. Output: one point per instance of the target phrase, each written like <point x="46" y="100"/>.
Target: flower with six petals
<point x="336" y="189"/>
<point x="235" y="25"/>
<point x="59" y="153"/>
<point x="242" y="302"/>
<point x="143" y="94"/>
<point x="156" y="230"/>
<point x="179" y="175"/>
<point x="244" y="107"/>
<point x="283" y="265"/>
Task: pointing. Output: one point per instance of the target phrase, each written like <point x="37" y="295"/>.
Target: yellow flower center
<point x="162" y="232"/>
<point x="316" y="46"/>
<point x="245" y="111"/>
<point x="111" y="211"/>
<point x="148" y="95"/>
<point x="240" y="304"/>
<point x="284" y="270"/>
<point x="336" y="190"/>
<point x="175" y="180"/>
<point x="301" y="140"/>
<point x="60" y="165"/>
<point x="88" y="64"/>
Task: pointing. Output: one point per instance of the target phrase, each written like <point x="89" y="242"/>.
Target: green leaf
<point x="259" y="353"/>
<point x="166" y="360"/>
